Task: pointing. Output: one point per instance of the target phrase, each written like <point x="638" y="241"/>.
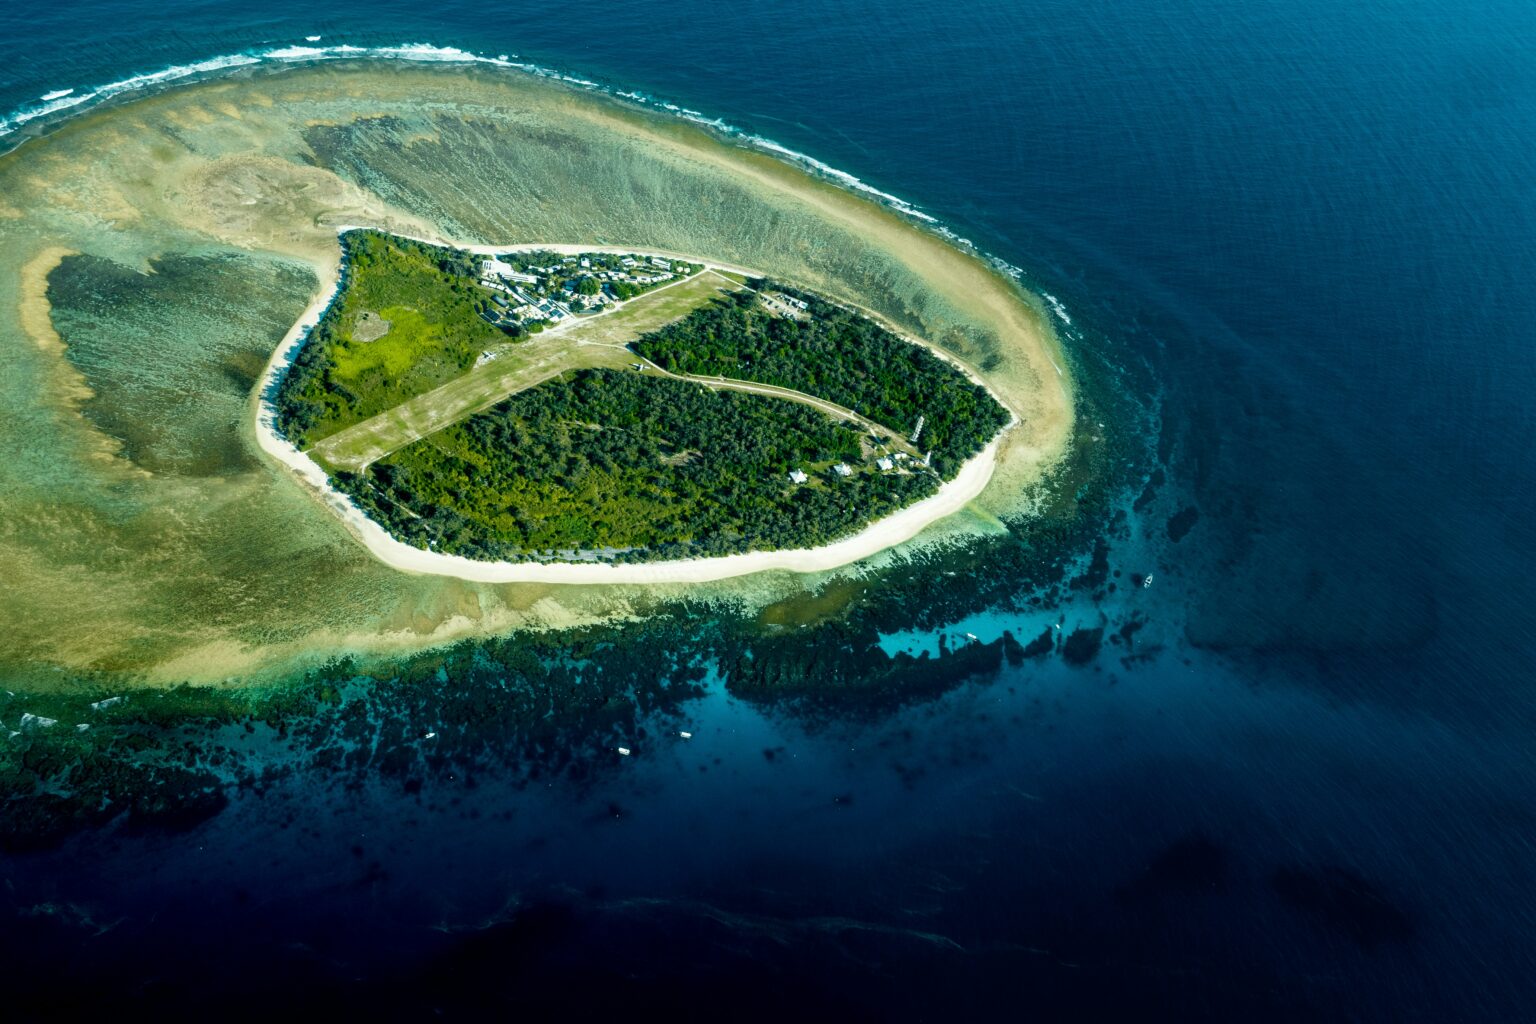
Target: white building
<point x="797" y="476"/>
<point x="494" y="268"/>
<point x="843" y="469"/>
<point x="885" y="464"/>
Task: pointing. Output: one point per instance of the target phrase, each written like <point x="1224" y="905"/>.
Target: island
<point x="169" y="254"/>
<point x="571" y="405"/>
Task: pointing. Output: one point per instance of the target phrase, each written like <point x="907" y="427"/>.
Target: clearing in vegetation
<point x="587" y="343"/>
<point x="436" y="333"/>
<point x="468" y="407"/>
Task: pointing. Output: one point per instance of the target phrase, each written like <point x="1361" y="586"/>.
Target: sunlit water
<point x="1300" y="238"/>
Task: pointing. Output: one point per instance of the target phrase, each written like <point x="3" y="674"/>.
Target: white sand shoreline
<point x="894" y="529"/>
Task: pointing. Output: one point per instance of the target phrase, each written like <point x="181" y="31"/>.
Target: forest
<point x="836" y="354"/>
<point x="616" y="465"/>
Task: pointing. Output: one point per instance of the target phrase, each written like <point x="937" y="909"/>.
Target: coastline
<point x="227" y="578"/>
<point x="897" y="528"/>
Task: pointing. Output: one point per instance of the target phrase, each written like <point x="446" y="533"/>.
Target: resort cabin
<point x="885" y="464"/>
<point x="797" y="476"/>
<point x="843" y="469"/>
<point x="492" y="269"/>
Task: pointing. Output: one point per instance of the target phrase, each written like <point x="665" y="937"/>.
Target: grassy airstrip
<point x="596" y="343"/>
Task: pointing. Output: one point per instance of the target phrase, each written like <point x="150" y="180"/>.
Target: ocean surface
<point x="1307" y="232"/>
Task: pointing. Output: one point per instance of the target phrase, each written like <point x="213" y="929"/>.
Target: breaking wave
<point x="61" y="101"/>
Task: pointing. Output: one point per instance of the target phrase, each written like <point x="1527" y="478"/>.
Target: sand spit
<point x="894" y="529"/>
<point x="35" y="311"/>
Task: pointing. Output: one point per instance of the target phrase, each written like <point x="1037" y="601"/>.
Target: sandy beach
<point x="894" y="529"/>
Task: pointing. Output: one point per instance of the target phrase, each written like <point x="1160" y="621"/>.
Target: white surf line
<point x="897" y="528"/>
<point x="62" y="100"/>
<point x="59" y="100"/>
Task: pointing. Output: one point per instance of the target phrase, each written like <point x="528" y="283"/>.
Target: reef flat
<point x="153" y="254"/>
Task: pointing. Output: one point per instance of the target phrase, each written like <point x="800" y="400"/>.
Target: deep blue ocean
<point x="1314" y="226"/>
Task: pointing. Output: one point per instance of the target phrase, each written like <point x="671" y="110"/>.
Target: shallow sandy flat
<point x="129" y="570"/>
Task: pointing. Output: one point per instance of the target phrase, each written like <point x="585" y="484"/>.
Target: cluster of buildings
<point x="785" y="305"/>
<point x="519" y="300"/>
<point x="885" y="463"/>
<point x="540" y="287"/>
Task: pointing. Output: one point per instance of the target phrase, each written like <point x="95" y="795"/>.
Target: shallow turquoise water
<point x="1305" y="236"/>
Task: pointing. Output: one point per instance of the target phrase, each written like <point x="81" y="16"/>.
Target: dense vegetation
<point x="836" y="354"/>
<point x="431" y="303"/>
<point x="618" y="465"/>
<point x="607" y="461"/>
